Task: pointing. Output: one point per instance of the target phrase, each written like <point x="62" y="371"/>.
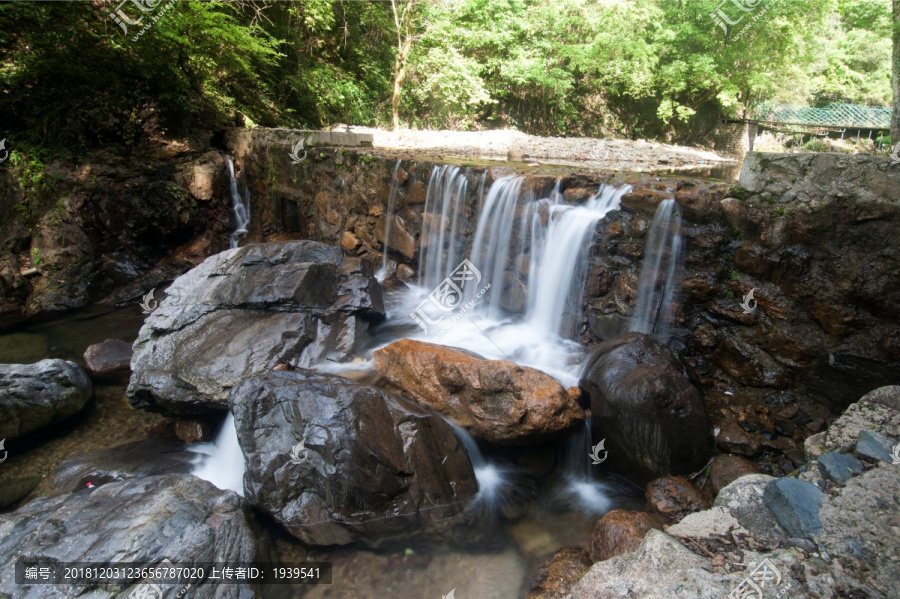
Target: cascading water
<point x="221" y="462"/>
<point x="581" y="490"/>
<point x="441" y="230"/>
<point x="388" y="219"/>
<point x="660" y="273"/>
<point x="494" y="480"/>
<point x="240" y="205"/>
<point x="559" y="256"/>
<point x="553" y="237"/>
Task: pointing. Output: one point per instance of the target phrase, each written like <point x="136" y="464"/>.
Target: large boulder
<point x="495" y="400"/>
<point x="372" y="466"/>
<point x="177" y="517"/>
<point x="245" y="311"/>
<point x="644" y="405"/>
<point x="35" y="395"/>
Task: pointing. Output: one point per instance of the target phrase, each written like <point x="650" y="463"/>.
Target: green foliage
<point x="639" y="68"/>
<point x="36" y="258"/>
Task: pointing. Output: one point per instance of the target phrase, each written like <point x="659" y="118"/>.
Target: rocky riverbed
<point x="731" y="437"/>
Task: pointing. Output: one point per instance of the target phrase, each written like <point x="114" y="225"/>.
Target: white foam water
<point x="222" y="461"/>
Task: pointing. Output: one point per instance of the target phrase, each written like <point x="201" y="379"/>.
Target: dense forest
<point x="664" y="69"/>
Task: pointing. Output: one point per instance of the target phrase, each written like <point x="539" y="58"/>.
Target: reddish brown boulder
<point x="566" y="568"/>
<point x="673" y="497"/>
<point x="727" y="468"/>
<point x="495" y="400"/>
<point x="620" y="531"/>
<point x="109" y="360"/>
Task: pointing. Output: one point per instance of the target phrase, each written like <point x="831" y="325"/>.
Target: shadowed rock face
<point x="177" y="517"/>
<point x="244" y="311"/>
<point x="643" y="403"/>
<point x="373" y="466"/>
<point x="35" y="395"/>
<point x="495" y="400"/>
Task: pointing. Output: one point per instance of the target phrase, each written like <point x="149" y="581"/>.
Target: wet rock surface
<point x="727" y="468"/>
<point x="621" y="531"/>
<point x="110" y="360"/>
<point x="35" y="395"/>
<point x="673" y="497"/>
<point x="182" y="518"/>
<point x="245" y="311"/>
<point x="563" y="570"/>
<point x="877" y="411"/>
<point x="495" y="400"/>
<point x="744" y="500"/>
<point x="373" y="467"/>
<point x="161" y="455"/>
<point x="643" y="402"/>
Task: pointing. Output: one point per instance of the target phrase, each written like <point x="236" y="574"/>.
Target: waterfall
<point x="240" y="205"/>
<point x="660" y="272"/>
<point x="221" y="462"/>
<point x="559" y="261"/>
<point x="494" y="480"/>
<point x="388" y="218"/>
<point x="580" y="490"/>
<point x="490" y="248"/>
<point x="444" y="201"/>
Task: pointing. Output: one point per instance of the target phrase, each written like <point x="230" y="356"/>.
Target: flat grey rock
<point x="838" y="467"/>
<point x="873" y="445"/>
<point x="795" y="504"/>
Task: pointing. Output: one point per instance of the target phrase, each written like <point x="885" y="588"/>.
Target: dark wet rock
<point x="14" y="490"/>
<point x="181" y="518"/>
<point x="727" y="468"/>
<point x="192" y="430"/>
<point x="734" y="439"/>
<point x="110" y="360"/>
<point x="563" y="570"/>
<point x="35" y="395"/>
<point x="245" y="311"/>
<point x="644" y="201"/>
<point x="161" y="455"/>
<point x="644" y="404"/>
<point x="674" y="497"/>
<point x="373" y="466"/>
<point x="621" y="531"/>
<point x="495" y="400"/>
<point x="750" y="365"/>
<point x="838" y="467"/>
<point x="795" y="504"/>
<point x="875" y="446"/>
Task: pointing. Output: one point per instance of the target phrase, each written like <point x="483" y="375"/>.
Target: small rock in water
<point x="795" y="504"/>
<point x="673" y="497"/>
<point x="838" y="467"/>
<point x="874" y="445"/>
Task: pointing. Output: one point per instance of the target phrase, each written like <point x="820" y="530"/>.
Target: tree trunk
<point x="895" y="74"/>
